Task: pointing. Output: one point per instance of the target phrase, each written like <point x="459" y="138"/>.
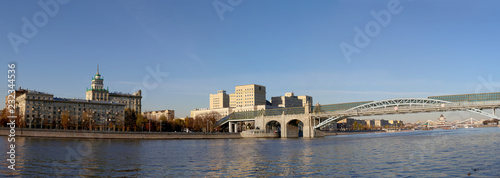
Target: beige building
<point x="381" y="123"/>
<point x="223" y="112"/>
<point x="245" y="98"/>
<point x="219" y="100"/>
<point x="97" y="92"/>
<point x="35" y="108"/>
<point x="156" y="115"/>
<point x="290" y="100"/>
<point x="100" y="105"/>
<point x="396" y="122"/>
<point x="248" y="95"/>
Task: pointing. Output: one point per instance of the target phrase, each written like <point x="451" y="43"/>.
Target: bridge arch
<point x="295" y="128"/>
<point x="424" y="102"/>
<point x="273" y="126"/>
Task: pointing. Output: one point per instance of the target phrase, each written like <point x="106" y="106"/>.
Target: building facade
<point x="245" y="98"/>
<point x="97" y="92"/>
<point x="156" y="115"/>
<point x="99" y="107"/>
<point x="37" y="108"/>
<point x="290" y="100"/>
<point x="219" y="100"/>
<point x="248" y="95"/>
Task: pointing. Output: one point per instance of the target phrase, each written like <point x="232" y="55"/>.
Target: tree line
<point x="131" y="122"/>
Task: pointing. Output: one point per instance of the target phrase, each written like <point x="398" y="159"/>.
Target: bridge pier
<point x="233" y="127"/>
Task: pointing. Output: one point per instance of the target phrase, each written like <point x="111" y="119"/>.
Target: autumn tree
<point x="65" y="118"/>
<point x="178" y="125"/>
<point x="206" y="121"/>
<point x="141" y="120"/>
<point x="3" y="118"/>
<point x="188" y="123"/>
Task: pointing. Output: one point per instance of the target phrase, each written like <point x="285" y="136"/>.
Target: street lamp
<point x="41" y="121"/>
<point x="76" y="115"/>
<point x="33" y="115"/>
<point x="89" y="115"/>
<point x="57" y="123"/>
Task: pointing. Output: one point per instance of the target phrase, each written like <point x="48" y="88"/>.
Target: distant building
<point x="248" y="95"/>
<point x="219" y="100"/>
<point x="156" y="115"/>
<point x="100" y="105"/>
<point x="370" y="122"/>
<point x="395" y="122"/>
<point x="381" y="123"/>
<point x="35" y="108"/>
<point x="245" y="98"/>
<point x="97" y="92"/>
<point x="348" y="123"/>
<point x="289" y="100"/>
<point x="223" y="112"/>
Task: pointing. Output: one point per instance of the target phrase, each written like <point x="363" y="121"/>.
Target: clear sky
<point x="427" y="47"/>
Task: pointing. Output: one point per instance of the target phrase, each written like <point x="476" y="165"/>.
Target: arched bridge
<point x="310" y="118"/>
<point x="402" y="106"/>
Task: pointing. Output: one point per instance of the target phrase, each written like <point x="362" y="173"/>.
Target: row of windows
<point x="37" y="103"/>
<point x="39" y="98"/>
<point x="38" y="115"/>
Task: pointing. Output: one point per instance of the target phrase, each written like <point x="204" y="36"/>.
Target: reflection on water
<point x="438" y="153"/>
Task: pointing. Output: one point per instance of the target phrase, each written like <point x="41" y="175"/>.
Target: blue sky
<point x="429" y="48"/>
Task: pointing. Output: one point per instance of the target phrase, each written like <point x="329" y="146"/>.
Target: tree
<point x="3" y="118"/>
<point x="85" y="119"/>
<point x="206" y="121"/>
<point x="178" y="125"/>
<point x="188" y="123"/>
<point x="164" y="123"/>
<point x="140" y="121"/>
<point x="65" y="118"/>
<point x="130" y="119"/>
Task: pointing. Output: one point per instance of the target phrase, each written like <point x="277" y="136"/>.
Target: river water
<point x="438" y="153"/>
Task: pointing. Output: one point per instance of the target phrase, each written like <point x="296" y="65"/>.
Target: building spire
<point x="98" y="69"/>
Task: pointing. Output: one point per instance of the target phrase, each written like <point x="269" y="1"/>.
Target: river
<point x="438" y="153"/>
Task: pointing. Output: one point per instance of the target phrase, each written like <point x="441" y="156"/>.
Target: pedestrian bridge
<point x="406" y="105"/>
<point x="303" y="121"/>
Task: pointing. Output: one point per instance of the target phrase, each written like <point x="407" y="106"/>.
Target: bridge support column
<point x="235" y="127"/>
<point x="230" y="127"/>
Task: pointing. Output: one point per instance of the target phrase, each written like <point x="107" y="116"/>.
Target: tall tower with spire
<point x="97" y="91"/>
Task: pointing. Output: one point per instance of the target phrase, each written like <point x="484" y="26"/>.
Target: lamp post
<point x="41" y="121"/>
<point x="33" y="115"/>
<point x="57" y="122"/>
<point x="89" y="115"/>
<point x="76" y="115"/>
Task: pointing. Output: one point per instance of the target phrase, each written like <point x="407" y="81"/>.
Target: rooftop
<point x="86" y="101"/>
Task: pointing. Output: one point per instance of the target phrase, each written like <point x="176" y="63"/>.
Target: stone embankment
<point x="116" y="135"/>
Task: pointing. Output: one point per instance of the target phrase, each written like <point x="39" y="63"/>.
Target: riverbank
<point x="117" y="135"/>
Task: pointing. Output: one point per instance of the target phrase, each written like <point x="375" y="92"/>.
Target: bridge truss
<point x="405" y="105"/>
